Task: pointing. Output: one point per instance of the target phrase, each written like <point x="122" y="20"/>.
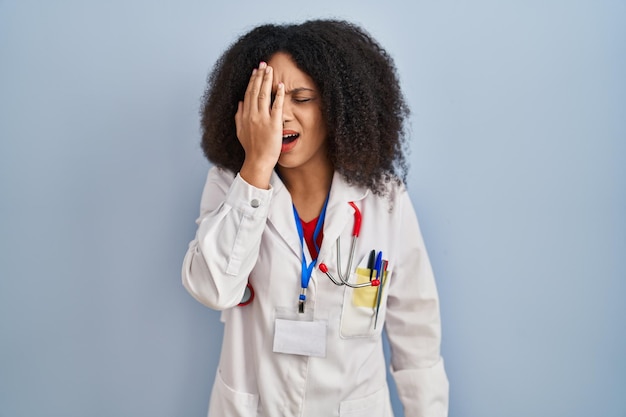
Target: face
<point x="304" y="127"/>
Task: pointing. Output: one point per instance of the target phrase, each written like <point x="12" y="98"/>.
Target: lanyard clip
<point x="302" y="300"/>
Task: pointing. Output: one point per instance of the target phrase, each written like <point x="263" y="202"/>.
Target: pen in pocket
<point x="380" y="287"/>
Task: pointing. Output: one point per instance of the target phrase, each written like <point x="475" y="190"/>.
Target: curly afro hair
<point x="361" y="98"/>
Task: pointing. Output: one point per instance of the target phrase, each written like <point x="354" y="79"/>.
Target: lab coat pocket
<point x="373" y="405"/>
<point x="366" y="296"/>
<point x="226" y="401"/>
<point x="360" y="306"/>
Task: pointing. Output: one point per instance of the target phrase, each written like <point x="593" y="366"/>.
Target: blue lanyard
<point x="307" y="270"/>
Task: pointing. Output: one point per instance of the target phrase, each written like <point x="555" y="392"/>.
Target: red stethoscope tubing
<point x="357" y="220"/>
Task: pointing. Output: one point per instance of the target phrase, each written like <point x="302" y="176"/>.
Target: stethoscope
<point x="343" y="279"/>
<point x="307" y="269"/>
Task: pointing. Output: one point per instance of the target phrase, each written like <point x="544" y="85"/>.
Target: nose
<point x="287" y="111"/>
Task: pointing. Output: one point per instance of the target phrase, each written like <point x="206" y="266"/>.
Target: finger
<point x="277" y="107"/>
<point x="256" y="87"/>
<point x="238" y="117"/>
<point x="247" y="94"/>
<point x="265" y="93"/>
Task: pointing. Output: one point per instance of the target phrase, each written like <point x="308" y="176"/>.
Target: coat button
<point x="255" y="203"/>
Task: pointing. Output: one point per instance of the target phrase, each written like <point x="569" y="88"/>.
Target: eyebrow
<point x="300" y="90"/>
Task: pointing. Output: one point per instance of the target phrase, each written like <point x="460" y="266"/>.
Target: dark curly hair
<point x="361" y="98"/>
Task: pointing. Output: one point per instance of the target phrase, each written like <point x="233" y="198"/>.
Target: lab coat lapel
<point x="281" y="215"/>
<point x="339" y="214"/>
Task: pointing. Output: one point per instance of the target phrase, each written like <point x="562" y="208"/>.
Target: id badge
<point x="299" y="334"/>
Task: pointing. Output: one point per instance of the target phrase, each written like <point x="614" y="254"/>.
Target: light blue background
<point x="518" y="177"/>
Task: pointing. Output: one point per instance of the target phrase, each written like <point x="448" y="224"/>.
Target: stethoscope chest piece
<point x="248" y="296"/>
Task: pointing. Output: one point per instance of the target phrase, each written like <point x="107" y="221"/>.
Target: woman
<point x="304" y="124"/>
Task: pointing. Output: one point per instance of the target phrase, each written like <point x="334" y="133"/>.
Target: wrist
<point x="257" y="175"/>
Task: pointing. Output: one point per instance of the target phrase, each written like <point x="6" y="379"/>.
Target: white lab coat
<point x="248" y="234"/>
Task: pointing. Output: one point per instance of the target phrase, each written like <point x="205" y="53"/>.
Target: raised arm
<point x="234" y="211"/>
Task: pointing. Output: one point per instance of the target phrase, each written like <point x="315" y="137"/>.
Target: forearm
<point x="225" y="249"/>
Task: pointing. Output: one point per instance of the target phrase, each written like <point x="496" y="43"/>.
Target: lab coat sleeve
<point x="413" y="323"/>
<point x="232" y="218"/>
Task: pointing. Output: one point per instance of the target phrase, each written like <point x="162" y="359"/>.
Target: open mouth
<point x="289" y="136"/>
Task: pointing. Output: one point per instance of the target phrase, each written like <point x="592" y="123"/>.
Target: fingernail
<point x="262" y="65"/>
<point x="268" y="69"/>
<point x="254" y="71"/>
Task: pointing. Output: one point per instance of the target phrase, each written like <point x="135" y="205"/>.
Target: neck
<point x="308" y="188"/>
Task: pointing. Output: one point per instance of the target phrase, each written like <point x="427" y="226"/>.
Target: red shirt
<point x="308" y="228"/>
